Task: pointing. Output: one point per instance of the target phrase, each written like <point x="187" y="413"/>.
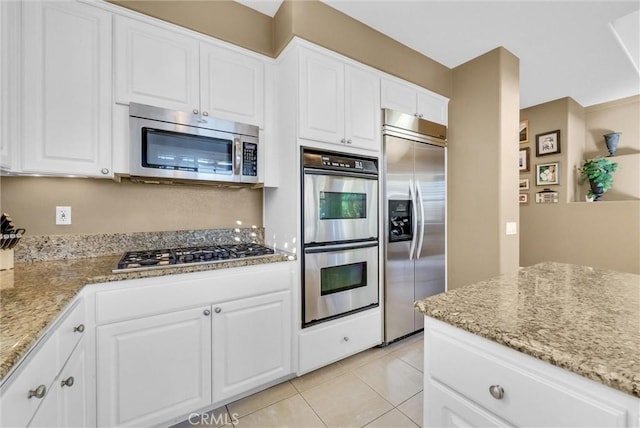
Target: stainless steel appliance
<point x="174" y="145"/>
<point x="414" y="218"/>
<point x="133" y="261"/>
<point x="340" y="229"/>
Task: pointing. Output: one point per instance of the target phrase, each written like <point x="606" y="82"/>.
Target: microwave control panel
<point x="249" y="159"/>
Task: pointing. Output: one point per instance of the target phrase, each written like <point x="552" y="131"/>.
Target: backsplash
<point x="56" y="247"/>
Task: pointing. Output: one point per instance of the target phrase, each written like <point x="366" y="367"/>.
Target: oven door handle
<point x="414" y="209"/>
<point x="421" y="235"/>
<point x="340" y="247"/>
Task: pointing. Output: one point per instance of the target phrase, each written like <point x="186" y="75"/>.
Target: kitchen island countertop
<point x="583" y="319"/>
<point x="34" y="293"/>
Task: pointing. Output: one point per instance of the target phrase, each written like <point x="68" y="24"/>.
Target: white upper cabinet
<point x="339" y="103"/>
<point x="155" y="66"/>
<point x="165" y="68"/>
<point x="411" y="99"/>
<point x="232" y="85"/>
<point x="9" y="72"/>
<point x="66" y="89"/>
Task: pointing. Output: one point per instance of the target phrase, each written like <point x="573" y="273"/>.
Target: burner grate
<point x="151" y="259"/>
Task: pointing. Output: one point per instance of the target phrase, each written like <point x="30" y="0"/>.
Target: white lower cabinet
<point x="152" y="369"/>
<point x="70" y="401"/>
<point x="334" y="340"/>
<point x="251" y="343"/>
<point x="470" y="381"/>
<point x="33" y="396"/>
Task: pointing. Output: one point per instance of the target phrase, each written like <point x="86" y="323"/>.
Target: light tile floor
<point x="380" y="387"/>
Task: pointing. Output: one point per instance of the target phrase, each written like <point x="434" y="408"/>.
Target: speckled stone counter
<point x="34" y="293"/>
<point x="579" y="318"/>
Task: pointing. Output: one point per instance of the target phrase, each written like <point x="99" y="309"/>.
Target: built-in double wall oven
<point x="340" y="229"/>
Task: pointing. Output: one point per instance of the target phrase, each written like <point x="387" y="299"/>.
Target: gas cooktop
<point x="133" y="261"/>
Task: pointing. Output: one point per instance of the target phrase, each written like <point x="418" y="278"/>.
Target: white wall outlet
<point x="63" y="215"/>
<point x="512" y="228"/>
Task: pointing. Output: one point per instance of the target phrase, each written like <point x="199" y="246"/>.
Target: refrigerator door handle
<point x="421" y="236"/>
<point x="415" y="223"/>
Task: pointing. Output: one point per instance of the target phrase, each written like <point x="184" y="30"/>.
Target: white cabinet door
<point x="399" y="97"/>
<point x="251" y="343"/>
<point x="155" y="66"/>
<point x="231" y="85"/>
<point x="155" y="368"/>
<point x="362" y="109"/>
<point x="321" y="106"/>
<point x="66" y="89"/>
<point x="450" y="410"/>
<point x="70" y="401"/>
<point x="432" y="107"/>
<point x="9" y="79"/>
<point x="414" y="100"/>
<point x="77" y="394"/>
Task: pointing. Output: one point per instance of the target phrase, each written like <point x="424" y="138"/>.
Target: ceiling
<point x="566" y="48"/>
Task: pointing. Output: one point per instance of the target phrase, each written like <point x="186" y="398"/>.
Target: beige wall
<point x="602" y="234"/>
<point x="482" y="168"/>
<point x="311" y="20"/>
<point x="104" y="206"/>
<point x="226" y="20"/>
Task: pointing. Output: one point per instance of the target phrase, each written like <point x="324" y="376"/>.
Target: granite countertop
<point x="34" y="293"/>
<point x="582" y="319"/>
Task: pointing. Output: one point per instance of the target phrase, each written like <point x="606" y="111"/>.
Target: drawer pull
<point x="38" y="392"/>
<point x="207" y="312"/>
<point x="346" y="338"/>
<point x="67" y="382"/>
<point x="218" y="310"/>
<point x="79" y="328"/>
<point x="496" y="391"/>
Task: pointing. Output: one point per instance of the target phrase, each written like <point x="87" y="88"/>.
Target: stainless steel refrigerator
<point x="414" y="186"/>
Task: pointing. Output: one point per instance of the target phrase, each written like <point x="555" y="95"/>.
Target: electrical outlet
<point x="63" y="215"/>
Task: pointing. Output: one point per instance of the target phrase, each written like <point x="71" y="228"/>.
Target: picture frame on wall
<point x="548" y="143"/>
<point x="523" y="198"/>
<point x="523" y="159"/>
<point x="524" y="131"/>
<point x="547" y="173"/>
<point x="524" y="184"/>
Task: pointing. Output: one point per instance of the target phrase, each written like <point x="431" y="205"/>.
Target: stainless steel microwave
<point x="175" y="145"/>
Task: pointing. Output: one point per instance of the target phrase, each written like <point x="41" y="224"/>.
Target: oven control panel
<point x="250" y="159"/>
<point x="339" y="162"/>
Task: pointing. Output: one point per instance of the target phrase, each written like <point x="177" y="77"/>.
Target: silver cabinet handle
<point x="38" y="392"/>
<point x="218" y="310"/>
<point x="67" y="382"/>
<point x="496" y="391"/>
<point x="104" y="171"/>
<point x="79" y="328"/>
<point x="416" y="114"/>
<point x="349" y="141"/>
<point x="342" y="140"/>
<point x="195" y="111"/>
<point x="207" y="312"/>
<point x="205" y="113"/>
<point x="346" y="338"/>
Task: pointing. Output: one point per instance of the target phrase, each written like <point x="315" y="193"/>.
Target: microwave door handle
<point x="414" y="209"/>
<point x="421" y="235"/>
<point x="237" y="156"/>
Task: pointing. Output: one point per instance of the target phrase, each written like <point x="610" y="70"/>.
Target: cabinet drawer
<point x="528" y="399"/>
<point x="336" y="340"/>
<point x="69" y="332"/>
